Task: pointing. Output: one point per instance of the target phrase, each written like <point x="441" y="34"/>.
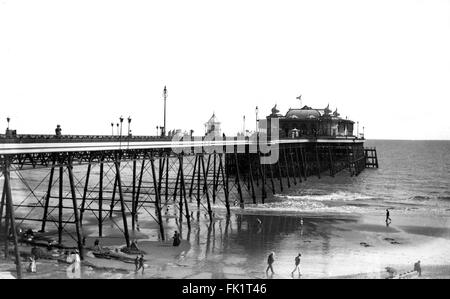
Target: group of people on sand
<point x="139" y="263"/>
<point x="139" y="260"/>
<point x="271" y="260"/>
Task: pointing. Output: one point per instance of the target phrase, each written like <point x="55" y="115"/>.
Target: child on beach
<point x="32" y="265"/>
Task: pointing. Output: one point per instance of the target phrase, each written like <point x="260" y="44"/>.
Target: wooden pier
<point x="103" y="177"/>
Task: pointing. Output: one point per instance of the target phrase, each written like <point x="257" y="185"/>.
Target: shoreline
<point x="332" y="246"/>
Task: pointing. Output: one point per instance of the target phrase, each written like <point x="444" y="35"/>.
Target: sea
<point x="413" y="176"/>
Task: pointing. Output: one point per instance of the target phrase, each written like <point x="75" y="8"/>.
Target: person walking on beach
<point x="388" y="219"/>
<point x="176" y="239"/>
<point x="141" y="263"/>
<point x="418" y="268"/>
<point x="136" y="263"/>
<point x="297" y="265"/>
<point x="270" y="260"/>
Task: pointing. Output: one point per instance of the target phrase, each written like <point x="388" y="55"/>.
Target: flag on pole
<point x="300" y="99"/>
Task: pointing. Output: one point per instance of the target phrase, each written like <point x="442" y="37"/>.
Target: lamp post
<point x="117" y="129"/>
<point x="163" y="130"/>
<point x="121" y="121"/>
<point x="157" y="131"/>
<point x="363" y="132"/>
<point x="112" y="129"/>
<point x="7" y="120"/>
<point x="257" y="120"/>
<point x="357" y="129"/>
<point x="129" y="122"/>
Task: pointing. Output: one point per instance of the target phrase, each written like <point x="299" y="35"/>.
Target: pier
<point x="101" y="177"/>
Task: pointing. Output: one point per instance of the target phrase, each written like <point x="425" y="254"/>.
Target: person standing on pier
<point x="58" y="131"/>
<point x="388" y="219"/>
<point x="297" y="265"/>
<point x="270" y="260"/>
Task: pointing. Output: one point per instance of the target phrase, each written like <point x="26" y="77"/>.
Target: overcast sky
<point x="82" y="64"/>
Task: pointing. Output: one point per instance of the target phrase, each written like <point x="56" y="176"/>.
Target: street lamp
<point x="112" y="129"/>
<point x="117" y="129"/>
<point x="121" y="121"/>
<point x="163" y="130"/>
<point x="129" y="122"/>
<point x="256" y="111"/>
<point x="8" y="119"/>
<point x="157" y="131"/>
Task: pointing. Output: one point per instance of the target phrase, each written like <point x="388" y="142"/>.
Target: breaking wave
<point x="336" y="196"/>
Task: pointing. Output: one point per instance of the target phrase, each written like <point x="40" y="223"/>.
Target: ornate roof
<point x="303" y="113"/>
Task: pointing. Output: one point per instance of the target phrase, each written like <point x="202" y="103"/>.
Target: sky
<point x="83" y="64"/>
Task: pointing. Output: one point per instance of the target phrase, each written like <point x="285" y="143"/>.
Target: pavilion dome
<point x="303" y="114"/>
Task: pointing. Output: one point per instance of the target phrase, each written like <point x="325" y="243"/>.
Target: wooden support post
<point x="85" y="190"/>
<point x="183" y="190"/>
<point x="225" y="184"/>
<point x="133" y="195"/>
<point x="271" y="178"/>
<point x="331" y="162"/>
<point x="75" y="209"/>
<point x="198" y="179"/>
<point x="138" y="192"/>
<point x="47" y="197"/>
<point x="2" y="204"/>
<point x="350" y="160"/>
<point x="205" y="178"/>
<point x="113" y="196"/>
<point x="166" y="186"/>
<point x="304" y="165"/>
<point x="291" y="154"/>
<point x="60" y="205"/>
<point x="161" y="172"/>
<point x="250" y="171"/>
<point x="10" y="212"/>
<point x="286" y="165"/>
<point x="7" y="230"/>
<point x="299" y="165"/>
<point x="122" y="204"/>
<point x="157" y="200"/>
<point x="317" y="162"/>
<point x="238" y="181"/>
<point x="193" y="177"/>
<point x="214" y="178"/>
<point x="263" y="180"/>
<point x="180" y="205"/>
<point x="280" y="176"/>
<point x="100" y="200"/>
<point x="176" y="185"/>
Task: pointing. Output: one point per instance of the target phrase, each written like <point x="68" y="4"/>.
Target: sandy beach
<point x="332" y="246"/>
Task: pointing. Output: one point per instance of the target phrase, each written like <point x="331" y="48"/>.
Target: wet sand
<point x="332" y="246"/>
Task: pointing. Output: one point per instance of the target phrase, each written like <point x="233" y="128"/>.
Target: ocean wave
<point x="420" y="197"/>
<point x="443" y="197"/>
<point x="336" y="196"/>
<point x="299" y="206"/>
